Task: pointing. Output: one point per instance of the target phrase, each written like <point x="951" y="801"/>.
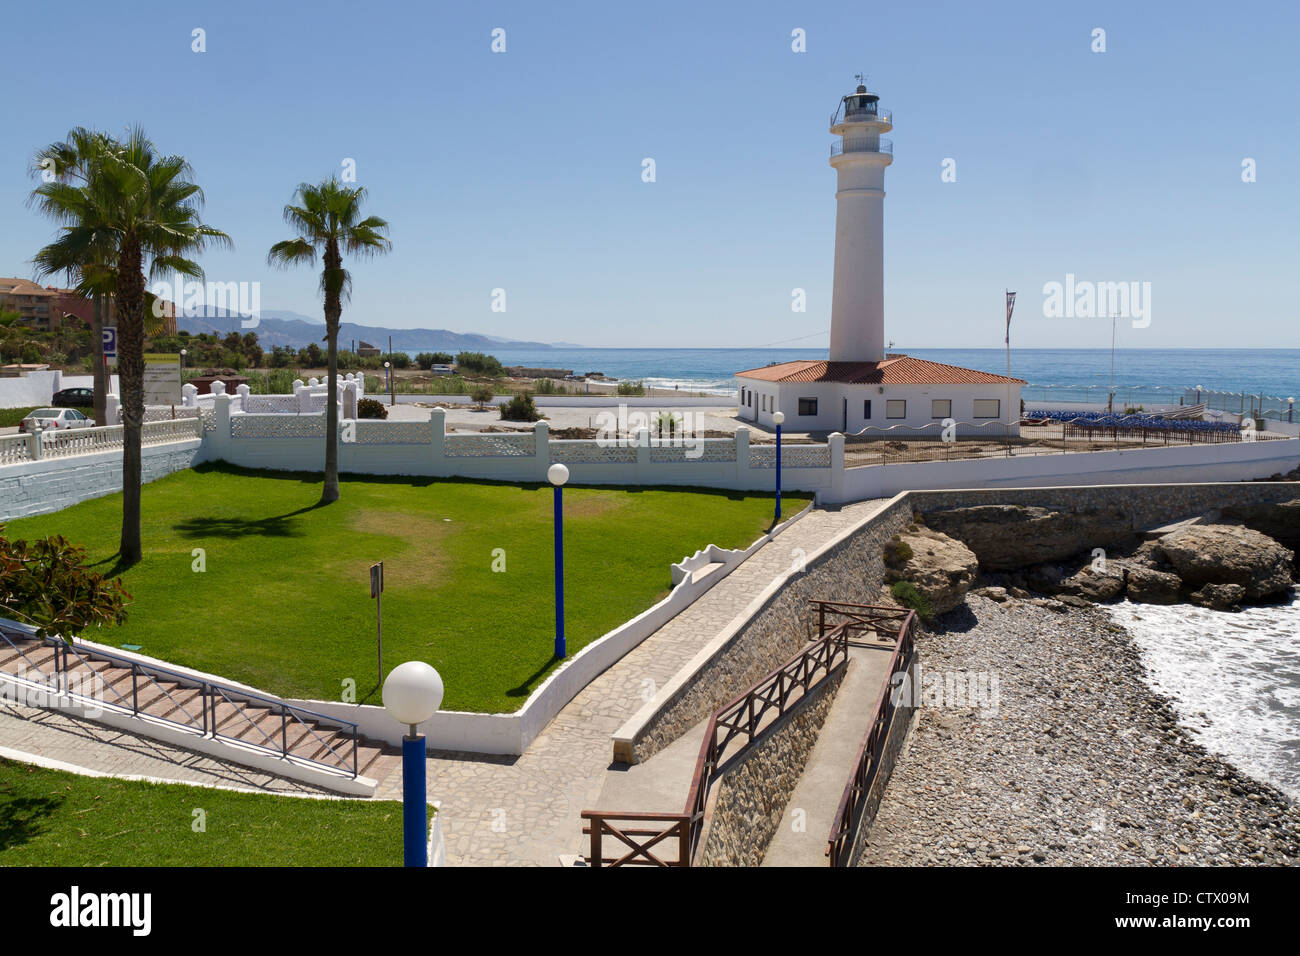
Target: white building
<point x="860" y="386"/>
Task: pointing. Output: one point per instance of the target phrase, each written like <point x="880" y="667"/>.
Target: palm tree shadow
<point x="526" y="686"/>
<point x="278" y="526"/>
<point x="22" y="819"/>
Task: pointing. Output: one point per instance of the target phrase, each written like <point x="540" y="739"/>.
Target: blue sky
<point x="522" y="170"/>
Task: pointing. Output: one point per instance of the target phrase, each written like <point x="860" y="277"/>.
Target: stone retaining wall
<point x="751" y="794"/>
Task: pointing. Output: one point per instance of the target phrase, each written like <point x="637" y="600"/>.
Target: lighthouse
<point x="859" y="159"/>
<point x="858" y="389"/>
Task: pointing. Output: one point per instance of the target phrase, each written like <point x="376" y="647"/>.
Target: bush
<point x="480" y="364"/>
<point x="398" y="359"/>
<point x="520" y="409"/>
<point x="482" y="394"/>
<point x="631" y="388"/>
<point x="46" y="584"/>
<point x="897" y="552"/>
<point x="369" y="408"/>
<point x="906" y="594"/>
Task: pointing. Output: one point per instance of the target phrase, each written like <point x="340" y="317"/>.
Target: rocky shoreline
<point x="1079" y="763"/>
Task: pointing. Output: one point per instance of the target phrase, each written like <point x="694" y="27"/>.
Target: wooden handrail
<point x="868" y="761"/>
<point x="740" y="717"/>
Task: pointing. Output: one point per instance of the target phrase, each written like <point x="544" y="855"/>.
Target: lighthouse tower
<point x="860" y="158"/>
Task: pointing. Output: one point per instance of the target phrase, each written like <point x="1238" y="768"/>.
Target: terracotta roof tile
<point x="900" y="370"/>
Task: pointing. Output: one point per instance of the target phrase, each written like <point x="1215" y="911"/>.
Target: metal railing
<point x="197" y="714"/>
<point x="879" y="114"/>
<point x="866" y="768"/>
<point x="881" y="146"/>
<point x="740" y="720"/>
<point x="901" y="444"/>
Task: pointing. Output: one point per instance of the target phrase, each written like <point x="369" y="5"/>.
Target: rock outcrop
<point x="941" y="568"/>
<point x="1279" y="520"/>
<point x="1229" y="554"/>
<point x="1004" y="537"/>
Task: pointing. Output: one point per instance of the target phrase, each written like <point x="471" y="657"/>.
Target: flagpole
<point x="1006" y="294"/>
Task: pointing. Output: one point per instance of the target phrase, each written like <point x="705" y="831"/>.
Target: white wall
<point x="34" y="388"/>
<point x="1229" y="461"/>
<point x="831" y="398"/>
<point x="39" y="487"/>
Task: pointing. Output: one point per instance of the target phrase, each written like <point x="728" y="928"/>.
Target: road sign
<point x="109" y="333"/>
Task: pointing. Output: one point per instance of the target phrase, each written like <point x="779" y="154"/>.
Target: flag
<point x="1011" y="304"/>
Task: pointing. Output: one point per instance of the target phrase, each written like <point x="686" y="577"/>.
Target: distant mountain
<point x="273" y="329"/>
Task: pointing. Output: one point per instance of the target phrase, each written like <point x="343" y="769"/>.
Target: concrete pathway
<point x="831" y="761"/>
<point x="524" y="810"/>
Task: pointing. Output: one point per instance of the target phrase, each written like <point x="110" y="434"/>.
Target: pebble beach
<point x="1080" y="763"/>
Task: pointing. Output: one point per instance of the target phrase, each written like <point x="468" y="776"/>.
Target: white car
<point x="58" y="418"/>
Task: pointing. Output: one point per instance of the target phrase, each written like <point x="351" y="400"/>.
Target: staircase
<point x="223" y="721"/>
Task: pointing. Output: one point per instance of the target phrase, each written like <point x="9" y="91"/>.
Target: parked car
<point x="74" y="398"/>
<point x="44" y="418"/>
<point x="442" y="370"/>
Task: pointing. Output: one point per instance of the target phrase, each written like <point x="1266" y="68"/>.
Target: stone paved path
<point x="524" y="810"/>
<point x="92" y="746"/>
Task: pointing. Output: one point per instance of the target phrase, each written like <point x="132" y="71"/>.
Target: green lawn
<point x="284" y="603"/>
<point x="52" y="818"/>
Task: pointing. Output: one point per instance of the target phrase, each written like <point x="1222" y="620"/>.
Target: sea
<point x="1233" y="678"/>
<point x="1054" y="375"/>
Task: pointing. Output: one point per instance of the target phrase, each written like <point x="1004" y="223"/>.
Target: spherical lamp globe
<point x="779" y="418"/>
<point x="557" y="474"/>
<point x="412" y="693"/>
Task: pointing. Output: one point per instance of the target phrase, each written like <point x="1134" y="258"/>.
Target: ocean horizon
<point x="1053" y="374"/>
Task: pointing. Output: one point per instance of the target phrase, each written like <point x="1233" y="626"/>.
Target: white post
<point x="34" y="444"/>
<point x="438" y="445"/>
<point x="221" y="439"/>
<point x="189" y="395"/>
<point x="542" y="437"/>
<point x="836" y="443"/>
<point x="742" y="457"/>
<point x="243" y="391"/>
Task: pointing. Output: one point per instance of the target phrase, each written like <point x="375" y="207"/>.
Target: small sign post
<point x="376" y="592"/>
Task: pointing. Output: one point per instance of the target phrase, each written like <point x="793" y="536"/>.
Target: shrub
<point x="521" y="408"/>
<point x="398" y="359"/>
<point x="425" y="360"/>
<point x="906" y="594"/>
<point x="482" y="395"/>
<point x="897" y="552"/>
<point x="631" y="388"/>
<point x="46" y="584"/>
<point x="369" y="408"/>
<point x="480" y="364"/>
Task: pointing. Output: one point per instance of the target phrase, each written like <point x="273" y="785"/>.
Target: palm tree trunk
<point x="331" y="490"/>
<point x="101" y="378"/>
<point x="130" y="371"/>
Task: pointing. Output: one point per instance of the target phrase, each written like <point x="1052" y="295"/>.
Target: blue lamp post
<point x="412" y="694"/>
<point x="778" y="418"/>
<point x="557" y="475"/>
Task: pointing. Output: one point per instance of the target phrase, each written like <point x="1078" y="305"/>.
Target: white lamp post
<point x="557" y="475"/>
<point x="412" y="694"/>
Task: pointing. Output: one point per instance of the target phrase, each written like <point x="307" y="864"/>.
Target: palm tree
<point x="71" y="162"/>
<point x="327" y="218"/>
<point x="143" y="207"/>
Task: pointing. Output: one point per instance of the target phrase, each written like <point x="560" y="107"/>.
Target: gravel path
<point x="1080" y="763"/>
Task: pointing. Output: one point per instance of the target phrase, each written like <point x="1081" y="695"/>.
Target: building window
<point x="941" y="408"/>
<point x="988" y="408"/>
<point x="866" y="409"/>
<point x="896" y="408"/>
<point x="764" y="403"/>
<point x="807" y="406"/>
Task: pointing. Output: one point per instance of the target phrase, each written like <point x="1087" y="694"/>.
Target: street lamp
<point x="412" y="694"/>
<point x="778" y="418"/>
<point x="557" y="475"/>
<point x="1290" y="410"/>
<point x="388" y="374"/>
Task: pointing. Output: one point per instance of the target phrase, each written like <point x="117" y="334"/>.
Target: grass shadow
<point x="22" y="819"/>
<point x="278" y="526"/>
<point x="526" y="686"/>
